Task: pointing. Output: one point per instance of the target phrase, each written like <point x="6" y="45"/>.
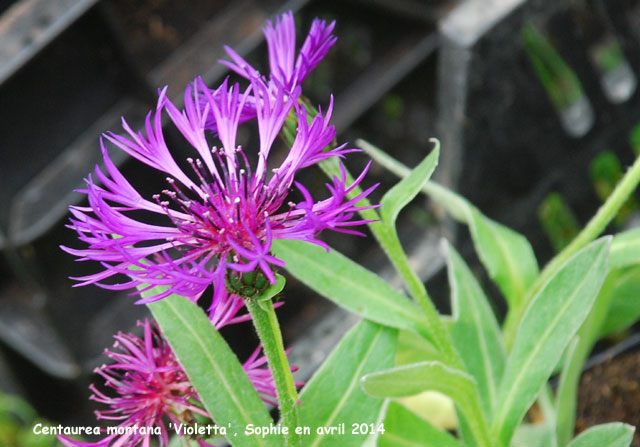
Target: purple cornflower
<point x="287" y="69"/>
<point x="222" y="218"/>
<point x="152" y="388"/>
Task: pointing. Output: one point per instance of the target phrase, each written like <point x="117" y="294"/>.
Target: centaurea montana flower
<point x="286" y="69"/>
<point x="152" y="388"/>
<point x="224" y="216"/>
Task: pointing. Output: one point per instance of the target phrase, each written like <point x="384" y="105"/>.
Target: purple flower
<point x="151" y="388"/>
<point x="222" y="216"/>
<point x="287" y="69"/>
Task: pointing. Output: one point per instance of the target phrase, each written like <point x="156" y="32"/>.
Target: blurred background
<point x="535" y="102"/>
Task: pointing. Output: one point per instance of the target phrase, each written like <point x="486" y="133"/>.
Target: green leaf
<point x="475" y="331"/>
<point x="403" y="428"/>
<point x="390" y="206"/>
<point x="577" y="353"/>
<point x="409" y="380"/>
<point x="624" y="309"/>
<point x="507" y="255"/>
<point x="552" y="319"/>
<point x="615" y="434"/>
<point x="566" y="395"/>
<point x="413" y="349"/>
<point x="27" y="438"/>
<point x="213" y="369"/>
<point x="406" y="189"/>
<point x="16" y="407"/>
<point x="625" y="249"/>
<point x="333" y="395"/>
<point x="350" y="285"/>
<point x="374" y="435"/>
<point x="530" y="435"/>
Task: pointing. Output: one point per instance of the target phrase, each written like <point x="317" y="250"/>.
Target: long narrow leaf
<point x="475" y="331"/>
<point x="625" y="249"/>
<point x="333" y="395"/>
<point x="575" y="356"/>
<point x="350" y="285"/>
<point x="412" y="379"/>
<point x="538" y="435"/>
<point x="624" y="309"/>
<point x="390" y="206"/>
<point x="507" y="256"/>
<point x="615" y="434"/>
<point x="413" y="349"/>
<point x="214" y="370"/>
<point x="408" y="380"/>
<point x="552" y="319"/>
<point x="406" y="189"/>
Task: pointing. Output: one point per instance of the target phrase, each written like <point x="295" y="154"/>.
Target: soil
<point x="610" y="392"/>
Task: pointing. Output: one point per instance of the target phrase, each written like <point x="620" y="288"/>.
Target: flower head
<point x="287" y="69"/>
<point x="221" y="214"/>
<point x="151" y="388"/>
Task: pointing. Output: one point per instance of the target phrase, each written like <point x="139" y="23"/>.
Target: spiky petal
<point x="221" y="217"/>
<point x="287" y="69"/>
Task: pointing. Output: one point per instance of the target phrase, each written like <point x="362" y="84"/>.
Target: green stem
<point x="596" y="225"/>
<point x="268" y="329"/>
<point x="436" y="329"/>
<point x="391" y="244"/>
<point x="388" y="240"/>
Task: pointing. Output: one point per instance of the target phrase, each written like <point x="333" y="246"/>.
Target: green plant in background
<point x="634" y="139"/>
<point x="17" y="420"/>
<point x="617" y="79"/>
<point x="607" y="54"/>
<point x="393" y="106"/>
<point x="558" y="221"/>
<point x="606" y="171"/>
<point x="559" y="80"/>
